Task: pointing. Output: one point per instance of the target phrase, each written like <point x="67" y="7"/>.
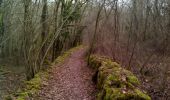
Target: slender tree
<point x="44" y="25"/>
<point x="26" y="44"/>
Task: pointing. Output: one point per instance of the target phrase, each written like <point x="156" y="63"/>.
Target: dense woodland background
<point x="135" y="33"/>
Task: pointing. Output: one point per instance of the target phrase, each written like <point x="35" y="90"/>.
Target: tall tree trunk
<point x="168" y="16"/>
<point x="27" y="31"/>
<point x="57" y="3"/>
<point x="44" y="26"/>
<point x="1" y="27"/>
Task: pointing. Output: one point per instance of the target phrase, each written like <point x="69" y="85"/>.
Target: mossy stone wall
<point x="115" y="82"/>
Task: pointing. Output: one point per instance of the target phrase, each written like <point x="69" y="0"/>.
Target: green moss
<point x="144" y="96"/>
<point x="117" y="94"/>
<point x="108" y="94"/>
<point x="65" y="55"/>
<point x="32" y="86"/>
<point x="114" y="82"/>
<point x="34" y="83"/>
<point x="47" y="62"/>
<point x="23" y="96"/>
<point x="120" y="94"/>
<point x="133" y="80"/>
<point x="100" y="95"/>
<point x="94" y="63"/>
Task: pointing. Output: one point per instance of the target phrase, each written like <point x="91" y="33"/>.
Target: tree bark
<point x="44" y="26"/>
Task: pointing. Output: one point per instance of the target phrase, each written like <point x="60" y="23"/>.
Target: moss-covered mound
<point x="114" y="82"/>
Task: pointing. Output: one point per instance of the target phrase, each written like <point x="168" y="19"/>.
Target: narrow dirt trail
<point x="71" y="81"/>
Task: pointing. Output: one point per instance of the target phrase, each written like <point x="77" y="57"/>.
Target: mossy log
<point x="115" y="82"/>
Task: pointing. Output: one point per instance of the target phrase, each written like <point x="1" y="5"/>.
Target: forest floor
<point x="70" y="81"/>
<point x="11" y="78"/>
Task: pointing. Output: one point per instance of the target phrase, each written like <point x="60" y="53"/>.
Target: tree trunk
<point x="44" y="26"/>
<point x="27" y="31"/>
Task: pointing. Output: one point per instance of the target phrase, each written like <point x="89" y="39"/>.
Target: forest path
<point x="70" y="81"/>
